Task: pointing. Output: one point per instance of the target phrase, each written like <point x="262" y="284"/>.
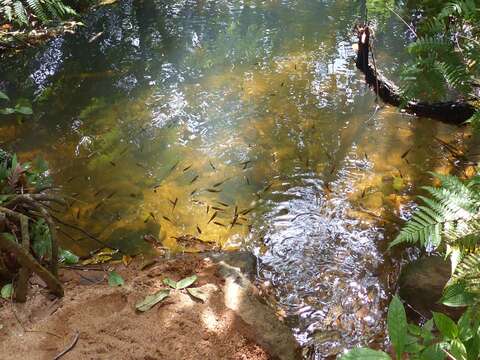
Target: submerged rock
<point x="421" y="285"/>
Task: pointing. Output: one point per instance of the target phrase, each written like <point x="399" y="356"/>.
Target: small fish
<point x="193" y="192"/>
<point x="174" y="166"/>
<point x="146" y="220"/>
<point x="98" y="192"/>
<point x="400" y="173"/>
<point x="363" y="193"/>
<point x="213" y="217"/>
<point x="112" y="163"/>
<point x="246" y="211"/>
<point x="124" y="150"/>
<point x="213" y="167"/>
<point x="234" y="221"/>
<point x="217" y="208"/>
<point x="188" y="167"/>
<point x="174" y="203"/>
<point x="78" y="214"/>
<point x="152" y="215"/>
<point x="141" y="166"/>
<point x="405" y="153"/>
<point x="282" y="84"/>
<point x="199" y="230"/>
<point x="245" y="164"/>
<point x="219" y="183"/>
<point x="236" y="210"/>
<point x="366" y="156"/>
<point x="333" y="169"/>
<point x="208" y="208"/>
<point x="156" y="187"/>
<point x="111" y="194"/>
<point x="243" y="218"/>
<point x="267" y="187"/>
<point x="247" y="180"/>
<point x="214" y="190"/>
<point x="223" y="204"/>
<point x="166" y="218"/>
<point x="194" y="179"/>
<point x="406" y="160"/>
<point x="219" y="223"/>
<point x="98" y="205"/>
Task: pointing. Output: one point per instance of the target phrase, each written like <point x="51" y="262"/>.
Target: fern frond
<point x="467" y="272"/>
<point x="20" y="13"/>
<point x="37" y="9"/>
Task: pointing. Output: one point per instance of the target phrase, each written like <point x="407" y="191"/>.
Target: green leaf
<point x="445" y="325"/>
<point x="458" y="350"/>
<point x="184" y="283"/>
<point x="7" y="111"/>
<point x="365" y="354"/>
<point x="68" y="257"/>
<point x="433" y="352"/>
<point x="198" y="294"/>
<point x="414" y="329"/>
<point x="152" y="300"/>
<point x="7" y="291"/>
<point x="4" y="96"/>
<point x="397" y="325"/>
<point x="114" y="279"/>
<point x="170" y="282"/>
<point x="456" y="296"/>
<point x="25" y="110"/>
<point x="473" y="347"/>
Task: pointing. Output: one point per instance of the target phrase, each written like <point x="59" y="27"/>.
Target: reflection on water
<point x="243" y="122"/>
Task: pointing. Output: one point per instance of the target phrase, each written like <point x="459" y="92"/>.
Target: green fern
<point x="450" y="215"/>
<point x="19" y="11"/>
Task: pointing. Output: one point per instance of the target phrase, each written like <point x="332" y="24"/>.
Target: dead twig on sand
<point x="70" y="347"/>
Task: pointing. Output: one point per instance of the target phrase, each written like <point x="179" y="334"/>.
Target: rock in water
<point x="421" y="285"/>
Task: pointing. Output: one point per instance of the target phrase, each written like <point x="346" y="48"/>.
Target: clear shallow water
<point x="251" y="104"/>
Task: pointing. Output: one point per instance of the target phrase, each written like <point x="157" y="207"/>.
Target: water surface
<point x="235" y="105"/>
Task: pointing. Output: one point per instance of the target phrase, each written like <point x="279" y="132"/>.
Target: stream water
<point x="155" y="110"/>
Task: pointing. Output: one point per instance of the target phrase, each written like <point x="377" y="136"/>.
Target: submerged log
<point x="452" y="112"/>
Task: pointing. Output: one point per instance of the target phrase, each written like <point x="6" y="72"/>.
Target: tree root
<point x="452" y="112"/>
<point x="22" y="208"/>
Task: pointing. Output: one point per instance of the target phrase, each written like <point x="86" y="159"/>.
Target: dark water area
<point x="252" y="104"/>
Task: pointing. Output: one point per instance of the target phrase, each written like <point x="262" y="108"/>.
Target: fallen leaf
<point x="126" y="259"/>
<point x="115" y="279"/>
<point x="184" y="283"/>
<point x="7" y="291"/>
<point x="170" y="282"/>
<point x="198" y="294"/>
<point x="151" y="300"/>
<point x="68" y="257"/>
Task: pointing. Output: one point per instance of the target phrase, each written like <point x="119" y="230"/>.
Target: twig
<point x="24" y="273"/>
<point x="408" y="25"/>
<point x="70" y="347"/>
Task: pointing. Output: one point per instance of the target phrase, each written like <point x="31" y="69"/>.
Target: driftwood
<point x="452" y="112"/>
